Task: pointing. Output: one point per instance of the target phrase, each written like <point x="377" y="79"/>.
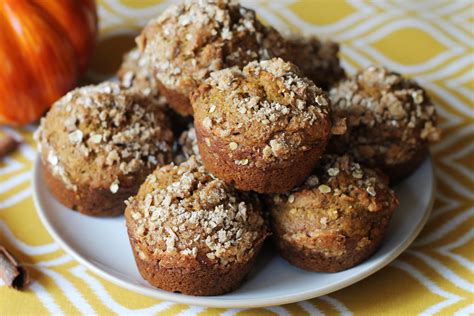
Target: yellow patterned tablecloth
<point x="431" y="40"/>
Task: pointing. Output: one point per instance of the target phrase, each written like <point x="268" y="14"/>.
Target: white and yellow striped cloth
<point x="431" y="40"/>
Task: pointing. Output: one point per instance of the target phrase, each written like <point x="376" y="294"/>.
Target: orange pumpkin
<point x="44" y="48"/>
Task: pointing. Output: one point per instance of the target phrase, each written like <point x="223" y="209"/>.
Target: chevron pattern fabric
<point x="431" y="40"/>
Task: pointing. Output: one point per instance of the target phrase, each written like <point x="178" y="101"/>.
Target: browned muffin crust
<point x="262" y="128"/>
<point x="317" y="59"/>
<point x="89" y="201"/>
<point x="191" y="39"/>
<point x="206" y="280"/>
<point x="336" y="219"/>
<point x="390" y="121"/>
<point x="98" y="143"/>
<point x="192" y="233"/>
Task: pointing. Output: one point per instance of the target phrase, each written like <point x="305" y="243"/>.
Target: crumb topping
<point x="386" y="115"/>
<point x="184" y="210"/>
<point x="267" y="102"/>
<point x="104" y="124"/>
<point x="303" y="99"/>
<point x="341" y="176"/>
<point x="133" y="73"/>
<point x="191" y="39"/>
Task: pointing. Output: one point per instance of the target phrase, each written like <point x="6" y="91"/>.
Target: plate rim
<point x="215" y="301"/>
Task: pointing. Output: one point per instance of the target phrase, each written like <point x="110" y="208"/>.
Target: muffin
<point x="390" y="121"/>
<point x="317" y="59"/>
<point x="336" y="219"/>
<point x="98" y="144"/>
<point x="262" y="128"/>
<point x="191" y="232"/>
<point x="191" y="39"/>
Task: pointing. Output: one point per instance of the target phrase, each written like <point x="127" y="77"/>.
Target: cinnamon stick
<point x="11" y="272"/>
<point x="7" y="144"/>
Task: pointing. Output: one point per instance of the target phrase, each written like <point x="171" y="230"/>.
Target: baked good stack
<point x="281" y="143"/>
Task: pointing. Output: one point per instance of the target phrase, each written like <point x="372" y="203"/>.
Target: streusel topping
<point x="133" y="73"/>
<point x="341" y="176"/>
<point x="386" y="115"/>
<point x="268" y="104"/>
<point x="107" y="126"/>
<point x="191" y="39"/>
<point x="184" y="210"/>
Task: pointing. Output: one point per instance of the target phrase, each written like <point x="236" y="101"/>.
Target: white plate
<point x="101" y="244"/>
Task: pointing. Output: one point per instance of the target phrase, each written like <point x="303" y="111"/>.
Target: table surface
<point x="429" y="40"/>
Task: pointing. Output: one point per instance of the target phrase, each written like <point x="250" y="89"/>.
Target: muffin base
<point x="178" y="101"/>
<point x="87" y="200"/>
<point x="204" y="280"/>
<point x="398" y="172"/>
<point x="279" y="177"/>
<point x="201" y="279"/>
<point x="316" y="261"/>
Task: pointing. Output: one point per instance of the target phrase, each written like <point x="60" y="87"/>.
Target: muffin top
<point x="104" y="135"/>
<point x="182" y="215"/>
<point x="387" y="116"/>
<point x="339" y="195"/>
<point x="133" y="73"/>
<point x="317" y="59"/>
<point x="193" y="38"/>
<point x="268" y="106"/>
<point x="340" y="177"/>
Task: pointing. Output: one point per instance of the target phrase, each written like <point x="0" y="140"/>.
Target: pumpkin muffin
<point x="390" y="121"/>
<point x="191" y="39"/>
<point x="317" y="59"/>
<point x="336" y="219"/>
<point x="98" y="144"/>
<point x="262" y="128"/>
<point x="191" y="232"/>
